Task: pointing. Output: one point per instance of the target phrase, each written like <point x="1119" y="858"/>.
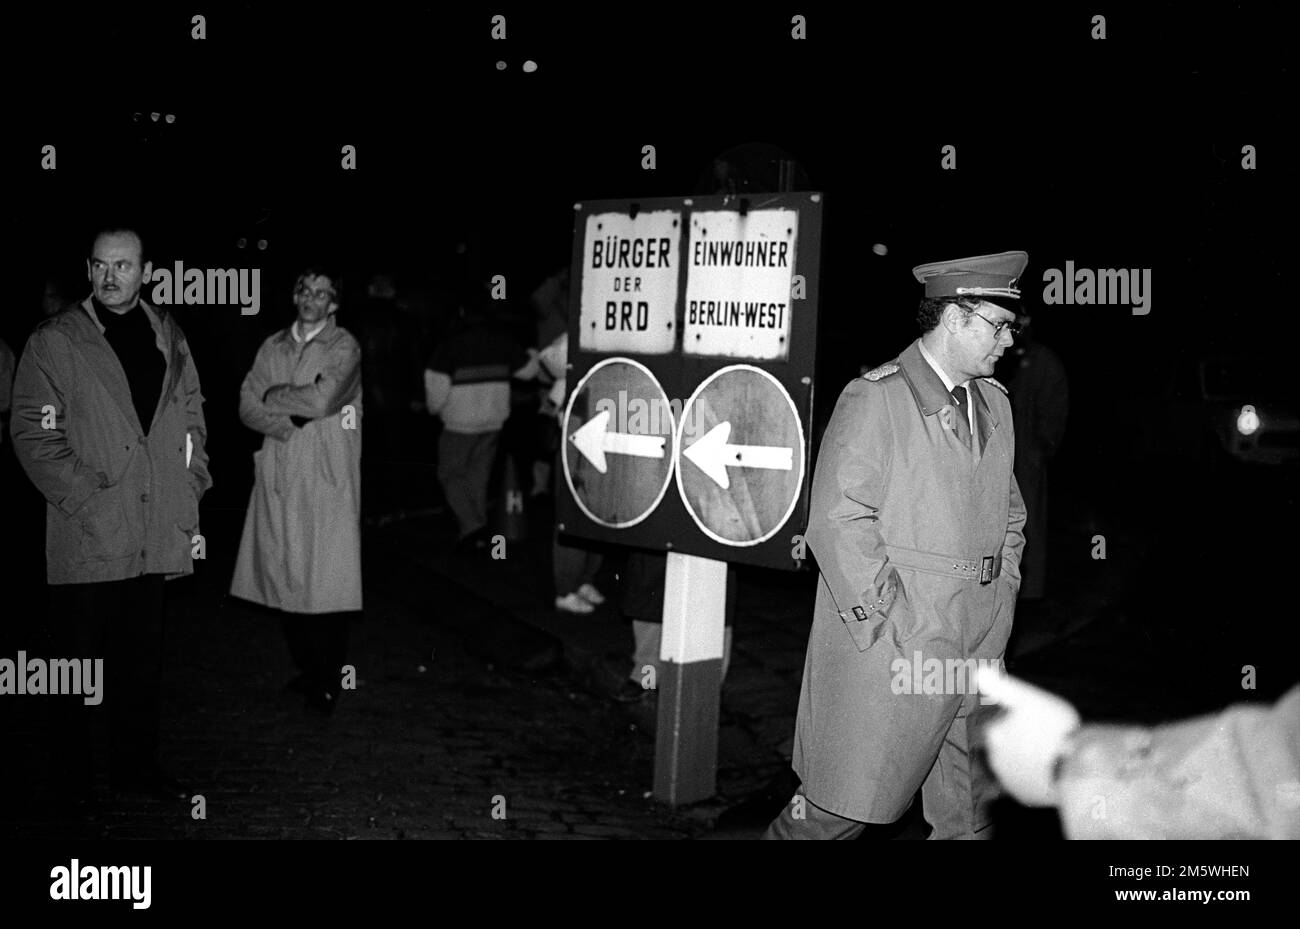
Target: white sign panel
<point x="739" y="271"/>
<point x="629" y="282"/>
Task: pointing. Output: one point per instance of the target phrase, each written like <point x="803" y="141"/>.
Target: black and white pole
<point x="690" y="679"/>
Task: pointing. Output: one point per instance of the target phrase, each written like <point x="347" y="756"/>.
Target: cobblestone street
<point x="473" y="698"/>
<point x="431" y="743"/>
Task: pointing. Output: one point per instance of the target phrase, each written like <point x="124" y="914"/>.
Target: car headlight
<point x="1247" y="420"/>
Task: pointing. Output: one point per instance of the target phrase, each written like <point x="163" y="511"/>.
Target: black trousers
<point x="122" y="623"/>
<point x="318" y="644"/>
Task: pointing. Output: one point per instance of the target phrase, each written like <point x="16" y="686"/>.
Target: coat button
<point x="144" y="498"/>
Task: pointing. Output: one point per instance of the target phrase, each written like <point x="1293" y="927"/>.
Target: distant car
<point x="1251" y="410"/>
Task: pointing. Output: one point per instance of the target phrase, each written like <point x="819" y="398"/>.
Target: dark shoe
<point x="321" y="702"/>
<point x="474" y="544"/>
<point x="632" y="692"/>
<point x="762" y="807"/>
<point x="153" y="783"/>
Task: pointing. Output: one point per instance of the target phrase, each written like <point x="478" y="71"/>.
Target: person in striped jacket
<point x="467" y="385"/>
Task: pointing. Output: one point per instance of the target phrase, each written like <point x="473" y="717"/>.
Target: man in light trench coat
<point x="917" y="526"/>
<point x="301" y="548"/>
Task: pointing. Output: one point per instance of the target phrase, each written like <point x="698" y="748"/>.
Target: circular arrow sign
<point x="618" y="433"/>
<point x="739" y="454"/>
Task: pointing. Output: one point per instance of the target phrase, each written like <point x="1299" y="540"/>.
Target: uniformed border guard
<point x="917" y="525"/>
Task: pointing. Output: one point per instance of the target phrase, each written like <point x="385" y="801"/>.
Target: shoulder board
<point x="884" y="370"/>
<point x="989" y="380"/>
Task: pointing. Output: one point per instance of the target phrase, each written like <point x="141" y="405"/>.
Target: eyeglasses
<point x="1006" y="324"/>
<point x="302" y="290"/>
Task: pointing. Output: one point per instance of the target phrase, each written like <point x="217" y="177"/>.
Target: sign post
<point x="692" y="347"/>
<point x="690" y="679"/>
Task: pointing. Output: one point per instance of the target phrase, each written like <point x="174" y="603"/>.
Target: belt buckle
<point x="986" y="569"/>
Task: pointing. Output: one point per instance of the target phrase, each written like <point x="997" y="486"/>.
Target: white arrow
<point x="594" y="440"/>
<point x="712" y="454"/>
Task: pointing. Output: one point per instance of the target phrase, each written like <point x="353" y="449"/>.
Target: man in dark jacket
<point x="108" y="424"/>
<point x="1040" y="401"/>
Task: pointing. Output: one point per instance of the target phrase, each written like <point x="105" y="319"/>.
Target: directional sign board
<point x="739" y="455"/>
<point x="618" y="432"/>
<point x="628" y="297"/>
<point x="738" y="292"/>
<point x="692" y="346"/>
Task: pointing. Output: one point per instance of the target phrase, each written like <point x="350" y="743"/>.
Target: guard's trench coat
<point x="301" y="548"/>
<point x="897" y="497"/>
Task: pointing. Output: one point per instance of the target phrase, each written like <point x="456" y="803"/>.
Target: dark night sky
<point x="1123" y="154"/>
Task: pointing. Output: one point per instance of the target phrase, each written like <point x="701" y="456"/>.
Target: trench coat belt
<point x="983" y="569"/>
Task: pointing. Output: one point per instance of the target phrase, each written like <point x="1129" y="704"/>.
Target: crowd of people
<point x="106" y="415"/>
<point x="107" y="419"/>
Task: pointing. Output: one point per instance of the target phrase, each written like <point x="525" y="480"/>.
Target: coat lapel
<point x="931" y="396"/>
<point x="102" y="362"/>
<point x="173" y="354"/>
<point x="985" y="422"/>
<point x="105" y="365"/>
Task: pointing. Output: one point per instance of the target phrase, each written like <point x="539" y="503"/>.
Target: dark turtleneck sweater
<point x="132" y="338"/>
